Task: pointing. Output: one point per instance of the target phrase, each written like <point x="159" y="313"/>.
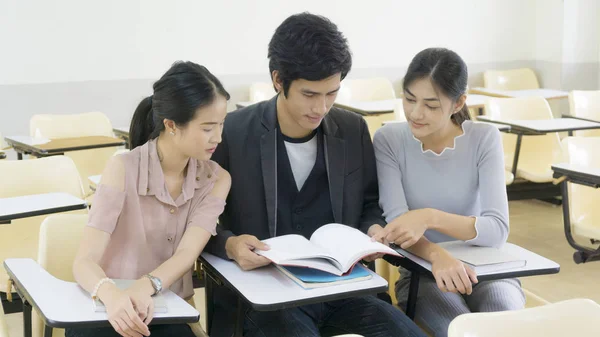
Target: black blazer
<point x="248" y="151"/>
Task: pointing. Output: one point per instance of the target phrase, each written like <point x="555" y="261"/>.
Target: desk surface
<point x="49" y="146"/>
<point x="38" y="204"/>
<point x="545" y="93"/>
<point x="536" y="264"/>
<point x="64" y="304"/>
<point x="267" y="289"/>
<point x="545" y="125"/>
<point x="579" y="173"/>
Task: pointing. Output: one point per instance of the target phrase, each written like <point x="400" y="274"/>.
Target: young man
<point x="296" y="164"/>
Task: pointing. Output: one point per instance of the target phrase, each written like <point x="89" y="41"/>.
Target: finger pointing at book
<point x="241" y="249"/>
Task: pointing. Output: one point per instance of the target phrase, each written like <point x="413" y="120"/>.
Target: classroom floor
<point x="536" y="226"/>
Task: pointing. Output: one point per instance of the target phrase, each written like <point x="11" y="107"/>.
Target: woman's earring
<point x="172" y="133"/>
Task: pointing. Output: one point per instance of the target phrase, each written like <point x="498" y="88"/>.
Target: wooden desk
<point x="536" y="265"/>
<point x="63" y="304"/>
<point x="267" y="289"/>
<point x="41" y="147"/>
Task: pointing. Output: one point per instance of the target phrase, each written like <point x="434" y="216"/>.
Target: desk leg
<point x="570" y="133"/>
<point x="240" y="318"/>
<point x="413" y="291"/>
<point x="26" y="319"/>
<point x="19" y="155"/>
<point x="47" y="331"/>
<point x="517" y="152"/>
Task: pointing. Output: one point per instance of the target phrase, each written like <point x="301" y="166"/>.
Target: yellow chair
<point x="261" y="91"/>
<point x="3" y="325"/>
<point x="585" y="104"/>
<point x="514" y="79"/>
<point x="88" y="162"/>
<point x="576" y="317"/>
<point x="366" y="90"/>
<point x="538" y="153"/>
<point x="25" y="177"/>
<point x="584" y="213"/>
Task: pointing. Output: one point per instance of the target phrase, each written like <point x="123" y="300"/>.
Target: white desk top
<point x="38" y="204"/>
<point x="386" y="106"/>
<point x="63" y="303"/>
<point x="545" y="93"/>
<point x="546" y="125"/>
<point x="589" y="171"/>
<point x="29" y="140"/>
<point x="535" y="262"/>
<point x="500" y="127"/>
<point x="267" y="286"/>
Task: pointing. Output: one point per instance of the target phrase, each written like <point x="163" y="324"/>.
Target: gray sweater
<point x="467" y="179"/>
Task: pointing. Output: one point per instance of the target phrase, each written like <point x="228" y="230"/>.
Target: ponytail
<point x="142" y="127"/>
<point x="461" y="116"/>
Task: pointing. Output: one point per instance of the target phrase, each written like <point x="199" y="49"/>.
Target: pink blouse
<point x="145" y="223"/>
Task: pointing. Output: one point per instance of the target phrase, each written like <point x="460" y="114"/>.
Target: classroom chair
<point x="366" y="90"/>
<point x="3" y="325"/>
<point x="585" y="104"/>
<point x="538" y="152"/>
<point x="509" y="178"/>
<point x="88" y="162"/>
<point x="261" y="91"/>
<point x="60" y="235"/>
<point x="583" y="212"/>
<point x="19" y="239"/>
<point x="512" y="79"/>
<point x="576" y="317"/>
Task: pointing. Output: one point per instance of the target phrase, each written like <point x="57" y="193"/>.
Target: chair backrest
<point x="399" y="112"/>
<point x="71" y="125"/>
<point x="44" y="175"/>
<point x="261" y="91"/>
<point x="88" y="162"/>
<point x="585" y="104"/>
<point x="538" y="153"/>
<point x="576" y="317"/>
<point x="513" y="79"/>
<point x="368" y="89"/>
<point x="583" y="201"/>
<point x="60" y="235"/>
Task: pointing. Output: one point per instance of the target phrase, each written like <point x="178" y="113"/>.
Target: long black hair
<point x="182" y="90"/>
<point x="447" y="71"/>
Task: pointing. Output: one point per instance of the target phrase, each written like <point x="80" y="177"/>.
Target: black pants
<point x="166" y="330"/>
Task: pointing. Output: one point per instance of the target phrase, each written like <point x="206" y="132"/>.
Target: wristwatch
<point x="156" y="283"/>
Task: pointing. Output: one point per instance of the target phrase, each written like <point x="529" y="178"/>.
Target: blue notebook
<point x="309" y="278"/>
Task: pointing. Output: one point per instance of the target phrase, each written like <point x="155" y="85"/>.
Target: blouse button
<point x="197" y="178"/>
<point x="169" y="239"/>
<point x="209" y="175"/>
<point x="172" y="211"/>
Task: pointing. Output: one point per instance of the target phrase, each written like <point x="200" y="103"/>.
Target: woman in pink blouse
<point x="156" y="206"/>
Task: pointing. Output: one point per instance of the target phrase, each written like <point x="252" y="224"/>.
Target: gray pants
<point x="436" y="309"/>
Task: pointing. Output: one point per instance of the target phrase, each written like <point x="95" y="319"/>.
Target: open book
<point x="160" y="302"/>
<point x="332" y="248"/>
<point x="482" y="259"/>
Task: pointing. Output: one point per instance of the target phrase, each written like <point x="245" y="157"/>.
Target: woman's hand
<point x="141" y="298"/>
<point x="121" y="314"/>
<point x="406" y="229"/>
<point x="451" y="275"/>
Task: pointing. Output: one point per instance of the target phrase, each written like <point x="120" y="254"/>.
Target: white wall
<point x="74" y="40"/>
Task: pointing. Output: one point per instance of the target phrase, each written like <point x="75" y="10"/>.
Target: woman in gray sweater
<point x="441" y="178"/>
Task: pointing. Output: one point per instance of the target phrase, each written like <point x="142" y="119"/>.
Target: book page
<point x="347" y="245"/>
<point x="291" y="247"/>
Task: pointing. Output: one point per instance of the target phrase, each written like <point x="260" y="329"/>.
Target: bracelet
<point x="99" y="284"/>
